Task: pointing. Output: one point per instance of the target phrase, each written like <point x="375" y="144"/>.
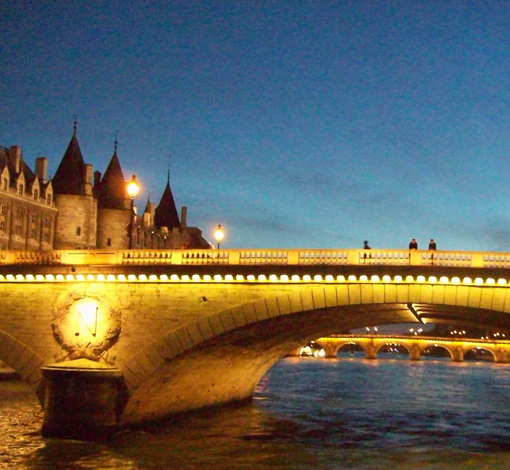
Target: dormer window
<point x="48" y="198"/>
<point x="36" y="194"/>
<point x="5" y="184"/>
<point x="20" y="189"/>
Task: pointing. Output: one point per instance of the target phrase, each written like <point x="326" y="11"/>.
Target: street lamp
<point x="132" y="190"/>
<point x="218" y="235"/>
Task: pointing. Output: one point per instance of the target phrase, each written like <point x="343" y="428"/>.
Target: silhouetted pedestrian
<point x="366" y="247"/>
<point x="432" y="247"/>
<point x="413" y="245"/>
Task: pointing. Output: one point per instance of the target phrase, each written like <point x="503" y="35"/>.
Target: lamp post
<point x="218" y="235"/>
<point x="132" y="190"/>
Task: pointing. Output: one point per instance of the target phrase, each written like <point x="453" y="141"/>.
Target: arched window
<point x="36" y="194"/>
<point x="48" y="199"/>
<point x="20" y="189"/>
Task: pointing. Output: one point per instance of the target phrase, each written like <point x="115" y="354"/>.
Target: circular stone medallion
<point x="85" y="324"/>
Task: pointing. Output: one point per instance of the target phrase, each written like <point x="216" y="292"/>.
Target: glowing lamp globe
<point x="133" y="188"/>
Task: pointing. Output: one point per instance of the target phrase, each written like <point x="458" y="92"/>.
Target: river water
<point x="308" y="413"/>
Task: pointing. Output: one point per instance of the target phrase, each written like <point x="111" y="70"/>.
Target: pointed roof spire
<point x="115" y="142"/>
<point x="70" y="175"/>
<point x="166" y="212"/>
<point x="169" y="166"/>
<point x="75" y="124"/>
<point x="149" y="205"/>
<point x="112" y="193"/>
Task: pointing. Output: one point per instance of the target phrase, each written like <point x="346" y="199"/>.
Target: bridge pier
<point x="457" y="355"/>
<point x="370" y="351"/>
<point x="82" y="399"/>
<point x="330" y="350"/>
<point x="414" y="353"/>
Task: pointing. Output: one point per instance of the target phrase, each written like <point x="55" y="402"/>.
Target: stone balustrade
<point x="292" y="257"/>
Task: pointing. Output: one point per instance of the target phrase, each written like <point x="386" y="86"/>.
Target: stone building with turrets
<point x="82" y="209"/>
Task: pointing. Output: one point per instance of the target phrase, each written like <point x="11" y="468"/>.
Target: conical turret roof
<point x="166" y="212"/>
<point x="112" y="193"/>
<point x="70" y="175"/>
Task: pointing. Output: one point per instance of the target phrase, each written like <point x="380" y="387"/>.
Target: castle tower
<point x="148" y="214"/>
<point x="74" y="199"/>
<point x="114" y="207"/>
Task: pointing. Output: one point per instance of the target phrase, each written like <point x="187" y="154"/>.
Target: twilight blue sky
<point x="292" y="123"/>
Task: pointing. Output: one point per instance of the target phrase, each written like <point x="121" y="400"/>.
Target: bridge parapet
<point x="294" y="257"/>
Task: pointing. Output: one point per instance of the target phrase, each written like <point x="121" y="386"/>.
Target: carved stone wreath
<point x="74" y="346"/>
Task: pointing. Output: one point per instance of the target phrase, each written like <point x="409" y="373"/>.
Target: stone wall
<point x="112" y="228"/>
<point x="76" y="222"/>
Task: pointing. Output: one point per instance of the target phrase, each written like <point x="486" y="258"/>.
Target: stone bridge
<point x="415" y="346"/>
<point x="183" y="330"/>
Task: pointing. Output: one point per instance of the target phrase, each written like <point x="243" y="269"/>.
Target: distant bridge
<point x="415" y="345"/>
<point x="183" y="330"/>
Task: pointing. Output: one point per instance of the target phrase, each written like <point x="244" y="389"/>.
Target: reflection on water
<point x="307" y="413"/>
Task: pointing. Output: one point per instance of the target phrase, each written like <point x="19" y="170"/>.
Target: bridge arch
<point x="17" y="355"/>
<point x="220" y="357"/>
<point x="445" y="347"/>
<point x="399" y="344"/>
<point x="468" y="352"/>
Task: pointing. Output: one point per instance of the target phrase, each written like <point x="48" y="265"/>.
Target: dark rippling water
<point x="308" y="413"/>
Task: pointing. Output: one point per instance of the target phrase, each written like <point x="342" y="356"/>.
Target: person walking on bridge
<point x="432" y="247"/>
<point x="366" y="247"/>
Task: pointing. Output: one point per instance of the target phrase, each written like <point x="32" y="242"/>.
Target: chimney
<point x="15" y="157"/>
<point x="41" y="168"/>
<point x="97" y="179"/>
<point x="88" y="179"/>
<point x="184" y="217"/>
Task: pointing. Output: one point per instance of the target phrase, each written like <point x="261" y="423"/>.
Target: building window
<point x="2" y="226"/>
<point x="18" y="229"/>
<point x="5" y="183"/>
<point x="48" y="199"/>
<point x="45" y="237"/>
<point x="20" y="190"/>
<point x="3" y="209"/>
<point x="20" y="214"/>
<point x="36" y="194"/>
<point x="78" y="231"/>
<point x="109" y="242"/>
<point x="32" y="218"/>
<point x="32" y="233"/>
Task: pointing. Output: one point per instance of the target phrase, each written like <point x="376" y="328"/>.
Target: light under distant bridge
<point x="160" y="332"/>
<point x="415" y="345"/>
